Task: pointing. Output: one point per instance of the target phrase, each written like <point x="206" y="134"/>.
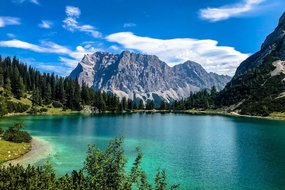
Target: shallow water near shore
<point x="198" y="152"/>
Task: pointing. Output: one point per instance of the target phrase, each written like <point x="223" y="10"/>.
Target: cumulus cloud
<point x="214" y="58"/>
<point x="68" y="58"/>
<point x="72" y="11"/>
<point x="70" y="22"/>
<point x="228" y="11"/>
<point x="129" y="25"/>
<point x="5" y="20"/>
<point x="45" y="24"/>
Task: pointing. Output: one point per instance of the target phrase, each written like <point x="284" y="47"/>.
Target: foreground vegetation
<point x="14" y="142"/>
<point x="103" y="169"/>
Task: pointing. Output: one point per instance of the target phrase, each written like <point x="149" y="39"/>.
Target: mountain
<point x="145" y="77"/>
<point x="258" y="87"/>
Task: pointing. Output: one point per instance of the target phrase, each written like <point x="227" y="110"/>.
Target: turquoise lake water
<point x="198" y="152"/>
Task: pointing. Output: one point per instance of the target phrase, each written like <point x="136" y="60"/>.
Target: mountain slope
<point x="137" y="76"/>
<point x="258" y="87"/>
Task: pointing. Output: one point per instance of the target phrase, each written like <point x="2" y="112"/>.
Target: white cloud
<point x="72" y="11"/>
<point x="68" y="58"/>
<point x="214" y="58"/>
<point x="31" y="1"/>
<point x="4" y="21"/>
<point x="70" y="23"/>
<point x="228" y="11"/>
<point x="21" y="45"/>
<point x="45" y="24"/>
<point x="129" y="25"/>
<point x="45" y="47"/>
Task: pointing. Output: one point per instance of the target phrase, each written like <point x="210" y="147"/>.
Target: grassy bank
<point x="11" y="151"/>
<point x="60" y="111"/>
<point x="277" y="116"/>
<point x="273" y="116"/>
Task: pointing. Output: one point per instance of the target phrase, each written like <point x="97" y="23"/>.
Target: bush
<point x="17" y="137"/>
<point x="43" y="110"/>
<point x="17" y="107"/>
<point x="1" y="131"/>
<point x="57" y="104"/>
<point x="14" y="134"/>
<point x="33" y="110"/>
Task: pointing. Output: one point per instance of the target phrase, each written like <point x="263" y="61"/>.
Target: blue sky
<point x="54" y="35"/>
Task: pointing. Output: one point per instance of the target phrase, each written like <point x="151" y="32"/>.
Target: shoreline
<point x="279" y="116"/>
<point x="40" y="149"/>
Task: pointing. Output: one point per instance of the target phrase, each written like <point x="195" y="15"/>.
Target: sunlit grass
<point x="10" y="150"/>
<point x="22" y="100"/>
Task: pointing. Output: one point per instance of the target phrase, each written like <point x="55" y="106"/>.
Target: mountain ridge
<point x="258" y="87"/>
<point x="141" y="76"/>
<point x="272" y="42"/>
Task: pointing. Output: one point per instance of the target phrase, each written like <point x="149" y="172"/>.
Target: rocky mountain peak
<point x="258" y="88"/>
<point x="274" y="46"/>
<point x="140" y="76"/>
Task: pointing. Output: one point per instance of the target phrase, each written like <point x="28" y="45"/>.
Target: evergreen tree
<point x="141" y="105"/>
<point x="19" y="88"/>
<point x="150" y="104"/>
<point x="3" y="106"/>
<point x="1" y="77"/>
<point x="124" y="103"/>
<point x="162" y="105"/>
<point x="85" y="95"/>
<point x="7" y="85"/>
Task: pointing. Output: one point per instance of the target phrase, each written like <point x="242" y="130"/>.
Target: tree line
<point x="19" y="80"/>
<point x="22" y="81"/>
<point x="204" y="99"/>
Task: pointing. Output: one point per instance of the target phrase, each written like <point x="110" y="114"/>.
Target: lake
<point x="197" y="151"/>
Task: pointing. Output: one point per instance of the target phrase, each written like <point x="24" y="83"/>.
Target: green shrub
<point x="57" y="104"/>
<point x="1" y="131"/>
<point x="17" y="107"/>
<point x="17" y="137"/>
<point x="33" y="110"/>
<point x="43" y="110"/>
<point x="14" y="134"/>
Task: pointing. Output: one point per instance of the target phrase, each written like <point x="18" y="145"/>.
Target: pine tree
<point x="141" y="105"/>
<point x="124" y="103"/>
<point x="19" y="88"/>
<point x="85" y="95"/>
<point x="3" y="106"/>
<point x="1" y="76"/>
<point x="150" y="104"/>
<point x="162" y="105"/>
